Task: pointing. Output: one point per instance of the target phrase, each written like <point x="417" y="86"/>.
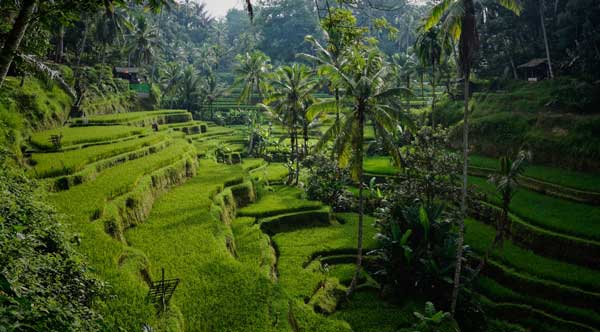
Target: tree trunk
<point x="297" y="159"/>
<point x="361" y="201"/>
<point x="305" y="134"/>
<point x="433" y="95"/>
<point x="514" y="68"/>
<point x="542" y="5"/>
<point x="14" y="37"/>
<point x="422" y="88"/>
<point x="463" y="198"/>
<point x="408" y="96"/>
<point x="60" y="45"/>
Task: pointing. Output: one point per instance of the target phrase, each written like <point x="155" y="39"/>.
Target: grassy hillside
<point x="557" y="120"/>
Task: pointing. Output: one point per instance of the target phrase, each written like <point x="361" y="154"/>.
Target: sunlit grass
<point x="559" y="176"/>
<point x="480" y="237"/>
<point x="71" y="161"/>
<point x="548" y="212"/>
<point x="80" y="135"/>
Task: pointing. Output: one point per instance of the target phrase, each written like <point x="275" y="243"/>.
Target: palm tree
<point x="457" y="19"/>
<point x="507" y="182"/>
<point x="428" y="48"/>
<point x="291" y="95"/>
<point x="251" y="72"/>
<point x="363" y="81"/>
<point x="111" y="27"/>
<point x="189" y="86"/>
<point x="144" y="42"/>
<point x="211" y="90"/>
<point x="171" y="75"/>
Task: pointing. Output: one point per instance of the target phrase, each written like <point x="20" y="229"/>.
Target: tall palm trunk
<point x="60" y="45"/>
<point x="14" y="37"/>
<point x="305" y="136"/>
<point x="463" y="196"/>
<point x="433" y="94"/>
<point x="361" y="199"/>
<point x="541" y="9"/>
<point x="408" y="96"/>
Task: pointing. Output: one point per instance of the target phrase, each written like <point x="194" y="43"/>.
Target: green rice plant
<point x="367" y="313"/>
<point x="79" y="135"/>
<point x="480" y="237"/>
<point x="71" y="161"/>
<point x="500" y="293"/>
<point x="253" y="247"/>
<point x="283" y="200"/>
<point x="562" y="177"/>
<point x="217" y="291"/>
<point x="298" y="273"/>
<point x="379" y="165"/>
<point x="140" y="118"/>
<point x="111" y="259"/>
<point x="551" y="213"/>
<point x="250" y="164"/>
<point x="274" y="172"/>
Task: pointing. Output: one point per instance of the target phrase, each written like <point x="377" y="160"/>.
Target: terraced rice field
<point x="140" y="202"/>
<point x="241" y="242"/>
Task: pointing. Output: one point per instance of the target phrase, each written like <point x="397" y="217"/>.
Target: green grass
<point x="283" y="200"/>
<point x="297" y="247"/>
<point x="80" y="135"/>
<point x="252" y="163"/>
<point x="379" y="165"/>
<point x="274" y="172"/>
<point x="217" y="292"/>
<point x="71" y="161"/>
<point x="367" y="313"/>
<point x="480" y="237"/>
<point x="580" y="220"/>
<point x="500" y="293"/>
<point x="562" y="177"/>
<point x="109" y="259"/>
<point x="133" y="117"/>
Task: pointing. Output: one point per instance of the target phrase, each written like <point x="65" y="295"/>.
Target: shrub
<point x="43" y="283"/>
<point x="326" y="182"/>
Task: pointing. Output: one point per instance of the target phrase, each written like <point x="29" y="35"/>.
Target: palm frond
<point x="436" y="14"/>
<point x="513" y="5"/>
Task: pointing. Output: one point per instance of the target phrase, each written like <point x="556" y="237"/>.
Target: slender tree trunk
<point x="422" y="78"/>
<point x="463" y="198"/>
<point x="14" y="37"/>
<point x="433" y="94"/>
<point x="337" y="104"/>
<point x="297" y="159"/>
<point x="361" y="201"/>
<point x="542" y="5"/>
<point x="60" y="45"/>
<point x="408" y="96"/>
<point x="305" y="134"/>
<point x="514" y="68"/>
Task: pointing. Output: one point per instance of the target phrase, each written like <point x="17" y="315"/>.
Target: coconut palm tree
<point x="428" y="48"/>
<point x="251" y="73"/>
<point x="457" y="19"/>
<point x="211" y="90"/>
<point x="143" y="42"/>
<point x="170" y="78"/>
<point x="507" y="182"/>
<point x="363" y="77"/>
<point x="291" y="95"/>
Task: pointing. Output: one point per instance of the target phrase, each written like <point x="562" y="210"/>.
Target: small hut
<point x="130" y="74"/>
<point x="535" y="70"/>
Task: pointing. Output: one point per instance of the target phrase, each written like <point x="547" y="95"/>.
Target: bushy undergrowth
<point x="44" y="285"/>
